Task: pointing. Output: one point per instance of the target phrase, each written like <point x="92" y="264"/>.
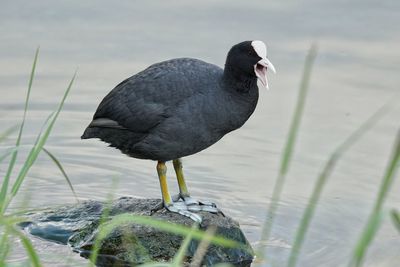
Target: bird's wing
<point x="142" y="101"/>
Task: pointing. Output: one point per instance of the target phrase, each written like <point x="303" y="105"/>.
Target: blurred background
<point x="356" y="72"/>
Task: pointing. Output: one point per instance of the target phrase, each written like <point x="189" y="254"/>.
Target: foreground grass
<point x="8" y="193"/>
<point x="10" y="189"/>
<point x="287" y="154"/>
<point x="322" y="179"/>
<point x="377" y="213"/>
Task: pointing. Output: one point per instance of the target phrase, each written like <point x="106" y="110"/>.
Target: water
<point x="355" y="73"/>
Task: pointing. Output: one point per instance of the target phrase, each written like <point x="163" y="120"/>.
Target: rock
<point x="131" y="244"/>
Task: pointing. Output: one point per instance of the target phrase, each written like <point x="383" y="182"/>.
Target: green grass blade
<point x="298" y="113"/>
<point x="288" y="150"/>
<point x="396" y="219"/>
<point x="9" y="224"/>
<point x="6" y="180"/>
<point x="7" y="153"/>
<point x="180" y="255"/>
<point x="34" y="258"/>
<point x="38" y="147"/>
<point x="322" y="179"/>
<point x="58" y="164"/>
<point x="201" y="250"/>
<point x="7" y="132"/>
<point x="366" y="238"/>
<point x="4" y="247"/>
<point x="104" y="215"/>
<point x="27" y="163"/>
<point x="372" y="226"/>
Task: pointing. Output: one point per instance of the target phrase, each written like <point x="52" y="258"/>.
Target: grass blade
<point x="180" y="255"/>
<point x="104" y="215"/>
<point x="58" y="164"/>
<point x="372" y="226"/>
<point x="322" y="179"/>
<point x="27" y="163"/>
<point x="4" y="186"/>
<point x="38" y="147"/>
<point x="7" y="153"/>
<point x="7" y="132"/>
<point x="4" y="247"/>
<point x="396" y="219"/>
<point x="202" y="248"/>
<point x="288" y="151"/>
<point x="8" y="223"/>
<point x="34" y="258"/>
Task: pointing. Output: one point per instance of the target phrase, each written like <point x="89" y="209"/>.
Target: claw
<point x="208" y="203"/>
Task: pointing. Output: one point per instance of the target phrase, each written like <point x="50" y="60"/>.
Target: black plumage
<point x="178" y="107"/>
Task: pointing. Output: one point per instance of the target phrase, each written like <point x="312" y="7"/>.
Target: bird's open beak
<point x="261" y="70"/>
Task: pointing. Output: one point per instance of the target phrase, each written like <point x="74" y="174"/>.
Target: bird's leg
<point x="183" y="191"/>
<point x="167" y="200"/>
<point x="162" y="176"/>
<point x="192" y="204"/>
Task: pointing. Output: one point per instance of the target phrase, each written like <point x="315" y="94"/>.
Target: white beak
<point x="260" y="70"/>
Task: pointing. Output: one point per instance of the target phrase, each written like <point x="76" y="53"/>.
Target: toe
<point x="176" y="206"/>
<point x="194" y="207"/>
<point x="210" y="209"/>
<point x="190" y="201"/>
<point x="208" y="203"/>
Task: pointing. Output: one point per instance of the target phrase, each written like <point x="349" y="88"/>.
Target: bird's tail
<point x="89" y="133"/>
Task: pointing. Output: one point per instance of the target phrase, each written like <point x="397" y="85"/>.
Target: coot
<point x="179" y="107"/>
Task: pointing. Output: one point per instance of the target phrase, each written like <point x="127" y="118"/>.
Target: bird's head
<point x="250" y="58"/>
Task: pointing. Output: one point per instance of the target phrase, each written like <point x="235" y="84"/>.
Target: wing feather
<point x="144" y="100"/>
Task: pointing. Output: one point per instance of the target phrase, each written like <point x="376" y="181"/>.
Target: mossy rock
<point x="131" y="244"/>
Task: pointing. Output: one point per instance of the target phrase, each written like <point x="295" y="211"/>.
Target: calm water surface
<point x="355" y="73"/>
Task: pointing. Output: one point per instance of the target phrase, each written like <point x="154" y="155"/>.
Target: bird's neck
<point x="239" y="81"/>
<point x="243" y="95"/>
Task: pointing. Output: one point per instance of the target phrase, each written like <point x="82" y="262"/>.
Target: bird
<point x="179" y="107"/>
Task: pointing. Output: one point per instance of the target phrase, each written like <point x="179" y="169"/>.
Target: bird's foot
<point x="177" y="206"/>
<point x="186" y="206"/>
<point x="194" y="205"/>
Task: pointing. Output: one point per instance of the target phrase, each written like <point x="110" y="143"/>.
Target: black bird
<point x="179" y="107"/>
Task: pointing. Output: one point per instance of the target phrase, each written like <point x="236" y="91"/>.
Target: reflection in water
<point x="355" y="73"/>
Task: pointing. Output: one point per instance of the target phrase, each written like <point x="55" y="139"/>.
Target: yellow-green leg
<point x="162" y="176"/>
<point x="192" y="204"/>
<point x="181" y="179"/>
